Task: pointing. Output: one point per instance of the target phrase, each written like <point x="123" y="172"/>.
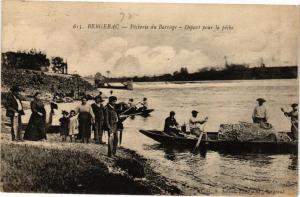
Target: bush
<point x="35" y="80"/>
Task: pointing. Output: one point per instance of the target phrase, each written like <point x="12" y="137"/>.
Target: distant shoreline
<point x="211" y="81"/>
<point x="231" y="72"/>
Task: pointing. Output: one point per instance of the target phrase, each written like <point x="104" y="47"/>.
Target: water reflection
<point x="171" y="152"/>
<point x="294" y="162"/>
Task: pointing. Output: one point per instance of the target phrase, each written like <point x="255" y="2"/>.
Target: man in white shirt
<point x="130" y="102"/>
<point x="260" y="113"/>
<point x="195" y="123"/>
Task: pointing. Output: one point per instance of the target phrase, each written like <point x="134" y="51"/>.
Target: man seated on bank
<point x="294" y="120"/>
<point x="171" y="126"/>
<point x="195" y="123"/>
<point x="260" y="113"/>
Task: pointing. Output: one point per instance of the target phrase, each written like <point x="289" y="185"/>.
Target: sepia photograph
<point x="149" y="98"/>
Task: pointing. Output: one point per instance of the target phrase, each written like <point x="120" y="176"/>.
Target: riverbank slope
<point x="56" y="167"/>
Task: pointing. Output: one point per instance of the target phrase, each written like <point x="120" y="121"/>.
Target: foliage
<point x="35" y="80"/>
<point x="34" y="60"/>
<point x="58" y="65"/>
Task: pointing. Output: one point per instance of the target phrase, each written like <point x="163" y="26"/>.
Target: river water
<point x="222" y="102"/>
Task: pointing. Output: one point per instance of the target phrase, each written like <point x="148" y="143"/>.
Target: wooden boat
<point x="213" y="143"/>
<point x="145" y="112"/>
<point x="128" y="85"/>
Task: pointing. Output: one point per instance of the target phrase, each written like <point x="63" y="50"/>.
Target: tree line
<point x="34" y="60"/>
<point x="229" y="72"/>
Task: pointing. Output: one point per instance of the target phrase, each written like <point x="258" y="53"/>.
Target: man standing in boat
<point x="171" y="125"/>
<point x="195" y="123"/>
<point x="260" y="113"/>
<point x="294" y="120"/>
<point x="111" y="121"/>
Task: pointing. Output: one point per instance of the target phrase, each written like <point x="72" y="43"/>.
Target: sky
<point x="258" y="32"/>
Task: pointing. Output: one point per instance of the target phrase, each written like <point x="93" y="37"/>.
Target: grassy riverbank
<point x="56" y="167"/>
<point x="31" y="81"/>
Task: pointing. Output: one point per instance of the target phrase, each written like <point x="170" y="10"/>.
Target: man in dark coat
<point x="98" y="110"/>
<point x="111" y="122"/>
<point x="171" y="125"/>
<point x="14" y="110"/>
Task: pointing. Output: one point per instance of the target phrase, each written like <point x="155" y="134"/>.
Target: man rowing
<point x="195" y="123"/>
<point x="294" y="120"/>
<point x="144" y="104"/>
<point x="171" y="126"/>
<point x="260" y="113"/>
<point x="131" y="105"/>
<point x="130" y="102"/>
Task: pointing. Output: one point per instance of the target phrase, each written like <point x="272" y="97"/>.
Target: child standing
<point x="73" y="128"/>
<point x="64" y="125"/>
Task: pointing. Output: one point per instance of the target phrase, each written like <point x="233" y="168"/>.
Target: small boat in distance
<point x="144" y="112"/>
<point x="101" y="81"/>
<point x="128" y="85"/>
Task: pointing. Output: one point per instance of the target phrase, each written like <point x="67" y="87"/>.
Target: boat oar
<point x="199" y="140"/>
<point x="291" y="121"/>
<point x="130" y="108"/>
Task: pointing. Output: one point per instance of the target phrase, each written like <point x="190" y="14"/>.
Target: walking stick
<point x="120" y="137"/>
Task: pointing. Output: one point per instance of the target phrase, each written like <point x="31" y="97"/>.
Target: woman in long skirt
<point x="85" y="118"/>
<point x="36" y="129"/>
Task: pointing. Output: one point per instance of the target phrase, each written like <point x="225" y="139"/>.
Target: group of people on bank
<point x="36" y="129"/>
<point x="260" y="115"/>
<point x="76" y="124"/>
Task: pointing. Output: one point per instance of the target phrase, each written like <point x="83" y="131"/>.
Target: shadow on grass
<point x="26" y="168"/>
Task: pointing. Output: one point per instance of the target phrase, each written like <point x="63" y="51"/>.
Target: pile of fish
<point x="246" y="132"/>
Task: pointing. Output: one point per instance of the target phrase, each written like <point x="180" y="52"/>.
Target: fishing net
<point x="250" y="132"/>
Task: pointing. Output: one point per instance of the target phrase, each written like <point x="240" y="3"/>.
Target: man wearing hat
<point x="171" y="125"/>
<point x="111" y="124"/>
<point x="14" y="110"/>
<point x="195" y="123"/>
<point x="98" y="110"/>
<point x="294" y="120"/>
<point x="260" y="112"/>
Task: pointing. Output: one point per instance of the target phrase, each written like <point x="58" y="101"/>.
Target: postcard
<point x="149" y="98"/>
